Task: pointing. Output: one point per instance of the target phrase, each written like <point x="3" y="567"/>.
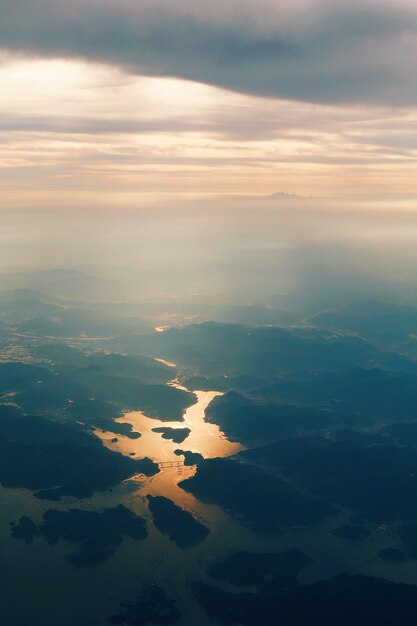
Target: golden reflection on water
<point x="158" y="557"/>
<point x="204" y="438"/>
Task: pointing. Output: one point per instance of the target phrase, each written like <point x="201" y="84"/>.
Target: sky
<point x="137" y="103"/>
<point x="225" y="147"/>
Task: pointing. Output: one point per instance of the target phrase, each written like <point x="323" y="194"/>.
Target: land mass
<point x="177" y="435"/>
<point x="96" y="534"/>
<point x="180" y="526"/>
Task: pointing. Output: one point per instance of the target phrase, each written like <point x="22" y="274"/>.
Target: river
<point x="40" y="588"/>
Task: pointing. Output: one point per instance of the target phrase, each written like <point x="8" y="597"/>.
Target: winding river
<point x="204" y="438"/>
<point x="49" y="580"/>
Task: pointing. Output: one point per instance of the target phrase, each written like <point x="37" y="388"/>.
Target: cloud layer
<point x="311" y="50"/>
<point x="76" y="134"/>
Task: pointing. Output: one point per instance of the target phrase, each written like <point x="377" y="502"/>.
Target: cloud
<point x="311" y="50"/>
<point x="90" y="134"/>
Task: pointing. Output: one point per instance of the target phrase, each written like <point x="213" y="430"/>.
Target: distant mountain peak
<point x="285" y="195"/>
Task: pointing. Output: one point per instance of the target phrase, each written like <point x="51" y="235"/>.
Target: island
<point x="95" y="533"/>
<point x="177" y="435"/>
<point x="180" y="526"/>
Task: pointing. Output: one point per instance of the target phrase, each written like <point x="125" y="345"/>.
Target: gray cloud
<point x="311" y="50"/>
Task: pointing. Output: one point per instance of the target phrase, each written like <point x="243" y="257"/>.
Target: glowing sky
<point x="125" y="103"/>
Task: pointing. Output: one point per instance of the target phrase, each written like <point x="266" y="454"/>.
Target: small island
<point x="190" y="458"/>
<point x="392" y="554"/>
<point x="177" y="435"/>
<point x="249" y="569"/>
<point x="96" y="533"/>
<point x="180" y="526"/>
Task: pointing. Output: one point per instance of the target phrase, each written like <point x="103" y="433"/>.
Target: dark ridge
<point x="180" y="526"/>
<point x="96" y="534"/>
